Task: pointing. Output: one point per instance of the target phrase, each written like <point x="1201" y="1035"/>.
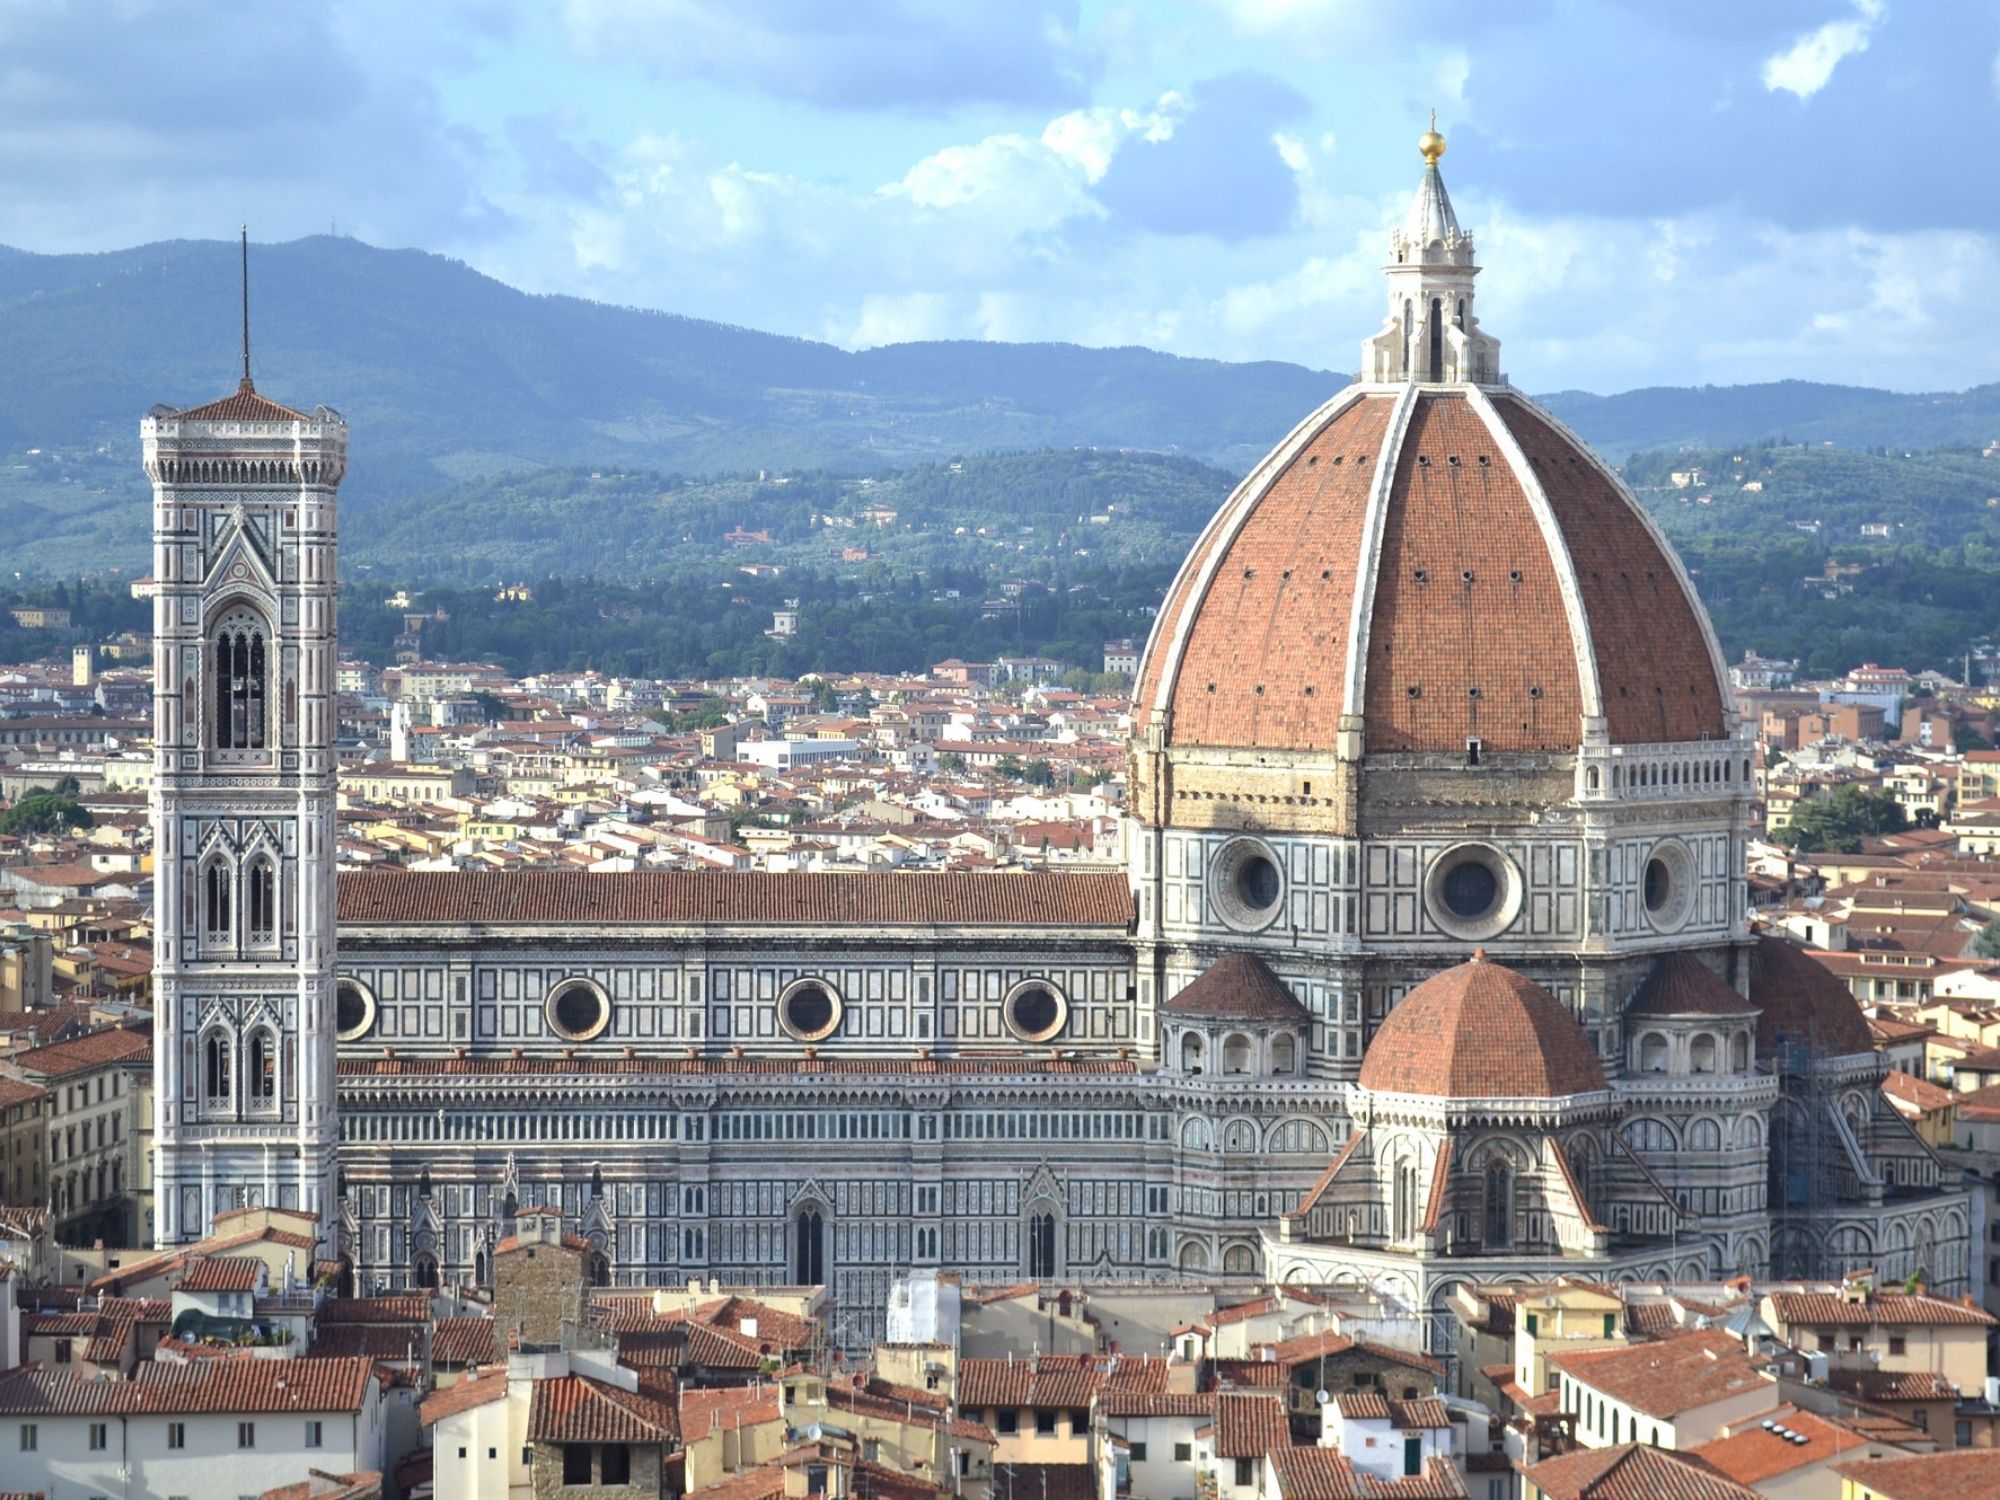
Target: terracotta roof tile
<point x="398" y="1307"/>
<point x="574" y="1409"/>
<point x="241" y="405"/>
<point x="1039" y="898"/>
<point x="1757" y="1454"/>
<point x="463" y="1341"/>
<point x="476" y="1389"/>
<point x="1249" y="1426"/>
<point x="1310" y="1473"/>
<point x="1665" y="1377"/>
<point x="221" y="1386"/>
<point x="221" y="1273"/>
<point x="1632" y="1471"/>
<point x="1885" y="1309"/>
<point x="1481" y="1031"/>
<point x="1928" y="1476"/>
<point x="1238" y="986"/>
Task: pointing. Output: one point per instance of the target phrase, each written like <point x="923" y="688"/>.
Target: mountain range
<point x="448" y="375"/>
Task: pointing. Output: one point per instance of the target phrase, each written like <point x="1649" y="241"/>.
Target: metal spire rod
<point x="246" y="306"/>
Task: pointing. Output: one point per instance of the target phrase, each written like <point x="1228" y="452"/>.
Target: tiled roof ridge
<point x="754" y="897"/>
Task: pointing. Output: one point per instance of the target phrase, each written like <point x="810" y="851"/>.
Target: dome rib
<point x="1654" y="648"/>
<point x="1590" y="689"/>
<point x="1481" y="1031"/>
<point x="1159" y="671"/>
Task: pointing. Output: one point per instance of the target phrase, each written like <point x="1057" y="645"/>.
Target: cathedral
<point x="1430" y="964"/>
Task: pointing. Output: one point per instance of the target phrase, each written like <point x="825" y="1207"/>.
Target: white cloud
<point x="1449" y="78"/>
<point x="900" y="319"/>
<point x="1805" y="67"/>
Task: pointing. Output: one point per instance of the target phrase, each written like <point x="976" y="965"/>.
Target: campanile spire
<point x="1431" y="335"/>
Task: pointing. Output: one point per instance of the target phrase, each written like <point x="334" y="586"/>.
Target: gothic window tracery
<point x="262" y="1074"/>
<point x="215" y="1067"/>
<point x="216" y="901"/>
<point x="239" y="662"/>
<point x="260" y="899"/>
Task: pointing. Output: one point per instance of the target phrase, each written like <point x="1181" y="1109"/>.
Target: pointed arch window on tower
<point x="263" y="1071"/>
<point x="1437" y="338"/>
<point x="216" y="879"/>
<point x="241" y="668"/>
<point x="215" y="1067"/>
<point x="1409" y="335"/>
<point x="260" y="900"/>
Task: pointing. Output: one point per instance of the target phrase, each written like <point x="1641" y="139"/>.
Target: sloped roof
<point x="561" y="898"/>
<point x="1632" y="1471"/>
<point x="241" y="405"/>
<point x="575" y="1409"/>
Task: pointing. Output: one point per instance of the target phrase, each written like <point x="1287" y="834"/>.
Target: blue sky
<point x="1664" y="191"/>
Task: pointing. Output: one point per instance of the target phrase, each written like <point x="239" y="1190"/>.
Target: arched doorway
<point x="424" y="1271"/>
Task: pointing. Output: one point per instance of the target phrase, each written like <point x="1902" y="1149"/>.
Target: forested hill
<point x="449" y="375"/>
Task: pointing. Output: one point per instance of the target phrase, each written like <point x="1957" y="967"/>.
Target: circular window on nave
<point x="353" y="1010"/>
<point x="578" y="1009"/>
<point x="1473" y="891"/>
<point x="809" y="1010"/>
<point x="1036" y="1011"/>
<point x="1247" y="884"/>
<point x="1668" y="885"/>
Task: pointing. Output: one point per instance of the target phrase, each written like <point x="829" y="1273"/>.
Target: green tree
<point x="1987" y="944"/>
<point x="45" y="810"/>
<point x="1842" y="821"/>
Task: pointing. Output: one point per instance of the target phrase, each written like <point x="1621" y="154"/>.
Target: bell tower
<point x="1431" y="336"/>
<point x="243" y="799"/>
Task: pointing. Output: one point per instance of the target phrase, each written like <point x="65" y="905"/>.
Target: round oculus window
<point x="1667" y="886"/>
<point x="353" y="1010"/>
<point x="1247" y="884"/>
<point x="809" y="1010"/>
<point x="1473" y="892"/>
<point x="578" y="1009"/>
<point x="1036" y="1010"/>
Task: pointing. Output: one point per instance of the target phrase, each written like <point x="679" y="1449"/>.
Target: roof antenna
<point x="246" y="385"/>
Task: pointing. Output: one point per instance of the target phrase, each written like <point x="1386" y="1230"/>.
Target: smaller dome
<point x="1238" y="987"/>
<point x="1682" y="985"/>
<point x="1481" y="1031"/>
<point x="1800" y="1001"/>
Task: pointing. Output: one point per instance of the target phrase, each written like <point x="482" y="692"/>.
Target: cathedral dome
<point x="1800" y="1001"/>
<point x="1481" y="1031"/>
<point x="1430" y="559"/>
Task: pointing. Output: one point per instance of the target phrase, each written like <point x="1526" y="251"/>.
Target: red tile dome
<point x="1481" y="1031"/>
<point x="1446" y="562"/>
<point x="1800" y="1001"/>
